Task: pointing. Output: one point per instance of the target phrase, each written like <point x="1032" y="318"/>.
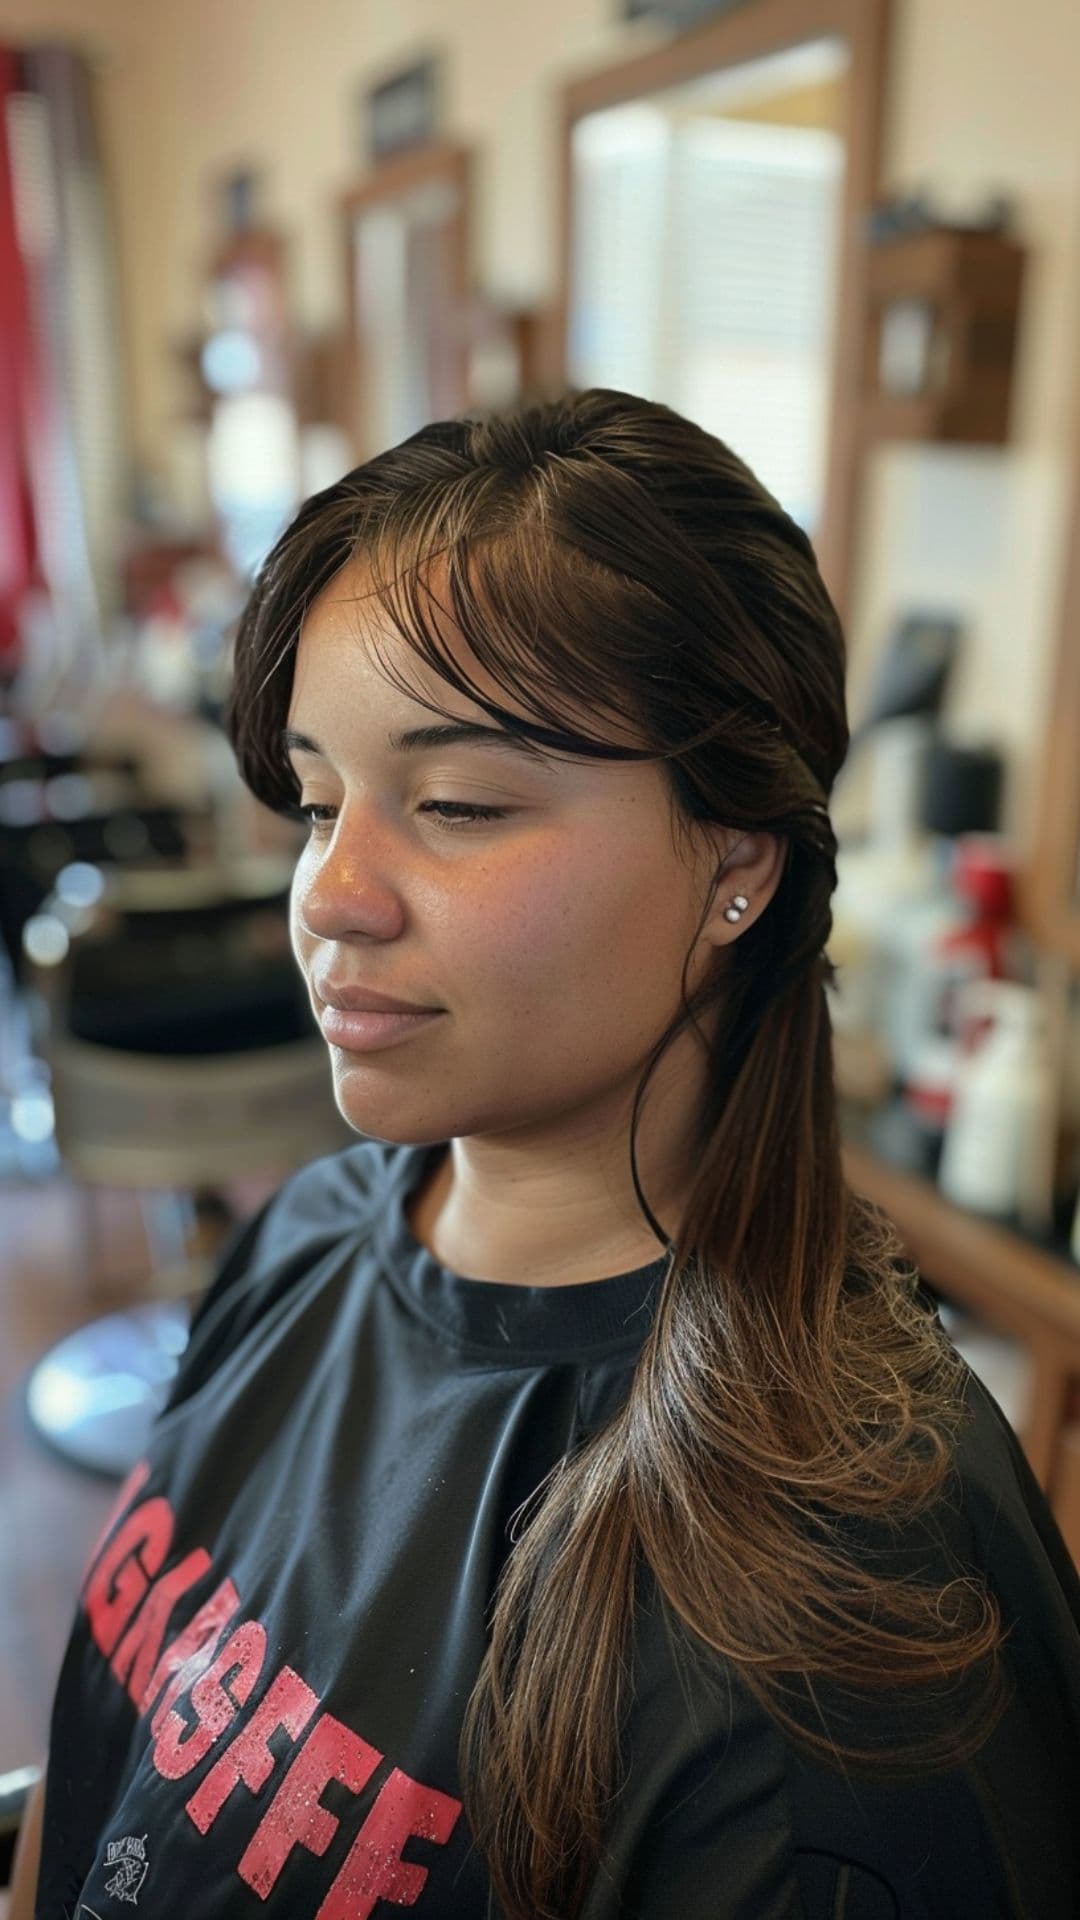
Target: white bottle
<point x="999" y="1151"/>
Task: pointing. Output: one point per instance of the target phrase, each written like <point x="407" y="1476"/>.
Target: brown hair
<point x="604" y="553"/>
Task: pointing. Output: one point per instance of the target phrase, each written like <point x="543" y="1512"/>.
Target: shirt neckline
<point x="568" y="1321"/>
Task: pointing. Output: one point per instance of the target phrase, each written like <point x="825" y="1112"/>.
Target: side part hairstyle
<point x="604" y="556"/>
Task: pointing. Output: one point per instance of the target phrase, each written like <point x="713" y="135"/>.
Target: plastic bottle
<point x="999" y="1148"/>
<point x="984" y="944"/>
<point x="927" y="1095"/>
<point x="939" y="945"/>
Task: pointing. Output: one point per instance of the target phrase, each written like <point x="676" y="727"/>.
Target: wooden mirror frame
<point x="1049" y="885"/>
<point x="752" y="33"/>
<point x="397" y="175"/>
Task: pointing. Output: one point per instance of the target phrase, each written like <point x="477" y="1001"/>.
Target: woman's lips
<point x="365" y="1032"/>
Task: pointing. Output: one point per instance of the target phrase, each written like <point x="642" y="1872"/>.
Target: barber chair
<point x="49" y="823"/>
<point x="174" y="1024"/>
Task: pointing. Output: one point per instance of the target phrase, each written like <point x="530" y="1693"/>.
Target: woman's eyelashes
<point x="462" y="813"/>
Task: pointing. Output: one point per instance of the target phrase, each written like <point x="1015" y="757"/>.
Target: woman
<point x="569" y="1504"/>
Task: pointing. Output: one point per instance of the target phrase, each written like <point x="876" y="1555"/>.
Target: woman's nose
<point x="347" y="884"/>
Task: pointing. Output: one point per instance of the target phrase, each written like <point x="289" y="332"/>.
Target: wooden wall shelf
<point x="943" y="310"/>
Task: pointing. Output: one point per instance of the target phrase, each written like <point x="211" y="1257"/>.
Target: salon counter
<point x="1018" y="1288"/>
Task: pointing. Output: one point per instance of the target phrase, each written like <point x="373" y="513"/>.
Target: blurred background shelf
<point x="998" y="1287"/>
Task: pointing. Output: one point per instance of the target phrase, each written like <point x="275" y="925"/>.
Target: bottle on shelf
<point x="998" y="1155"/>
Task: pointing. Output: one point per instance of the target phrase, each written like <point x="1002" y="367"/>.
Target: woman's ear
<point x="752" y="866"/>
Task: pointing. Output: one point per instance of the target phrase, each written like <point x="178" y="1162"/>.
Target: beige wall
<point x="982" y="98"/>
<point x="189" y="91"/>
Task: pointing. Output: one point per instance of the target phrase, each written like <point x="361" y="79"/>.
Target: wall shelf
<point x="943" y="308"/>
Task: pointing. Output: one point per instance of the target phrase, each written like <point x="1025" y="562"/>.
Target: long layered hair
<point x="604" y="556"/>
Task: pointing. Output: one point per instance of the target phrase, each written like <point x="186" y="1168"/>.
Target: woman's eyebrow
<point x="426" y="739"/>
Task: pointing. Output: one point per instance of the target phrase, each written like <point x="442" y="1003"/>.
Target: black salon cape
<point x="260" y="1702"/>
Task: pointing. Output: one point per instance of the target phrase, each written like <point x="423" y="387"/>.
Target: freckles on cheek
<point x="550" y="926"/>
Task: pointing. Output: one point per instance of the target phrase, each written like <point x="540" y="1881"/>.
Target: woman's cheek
<point x="545" y="939"/>
<point x="298" y="936"/>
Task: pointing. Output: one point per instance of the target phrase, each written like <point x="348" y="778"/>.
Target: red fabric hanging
<point x="19" y="400"/>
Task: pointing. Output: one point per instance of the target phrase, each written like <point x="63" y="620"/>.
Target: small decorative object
<point x="907" y="344"/>
<point x="404" y="110"/>
<point x="239" y="196"/>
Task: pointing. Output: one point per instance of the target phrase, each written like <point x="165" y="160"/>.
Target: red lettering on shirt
<point x="136" y="1479"/>
<point x="187" y="1656"/>
<point x="128" y="1602"/>
<point x="288" y="1703"/>
<point x="125" y="1570"/>
<point x="295" y="1817"/>
<point x="373" y="1869"/>
<point x="178" y="1748"/>
<point x="136" y="1656"/>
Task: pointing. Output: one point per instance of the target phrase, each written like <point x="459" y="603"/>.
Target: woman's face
<point x="552" y="937"/>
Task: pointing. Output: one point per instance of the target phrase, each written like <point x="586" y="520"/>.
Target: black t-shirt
<point x="281" y="1623"/>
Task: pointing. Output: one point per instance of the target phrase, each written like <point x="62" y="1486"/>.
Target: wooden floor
<point x="50" y="1510"/>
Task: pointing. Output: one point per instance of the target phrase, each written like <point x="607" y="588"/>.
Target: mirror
<point x="705" y="250"/>
<point x="253" y="443"/>
<point x="716" y="194"/>
<point x="407" y="241"/>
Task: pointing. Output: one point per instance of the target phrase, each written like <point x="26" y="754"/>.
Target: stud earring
<point x="737" y="908"/>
